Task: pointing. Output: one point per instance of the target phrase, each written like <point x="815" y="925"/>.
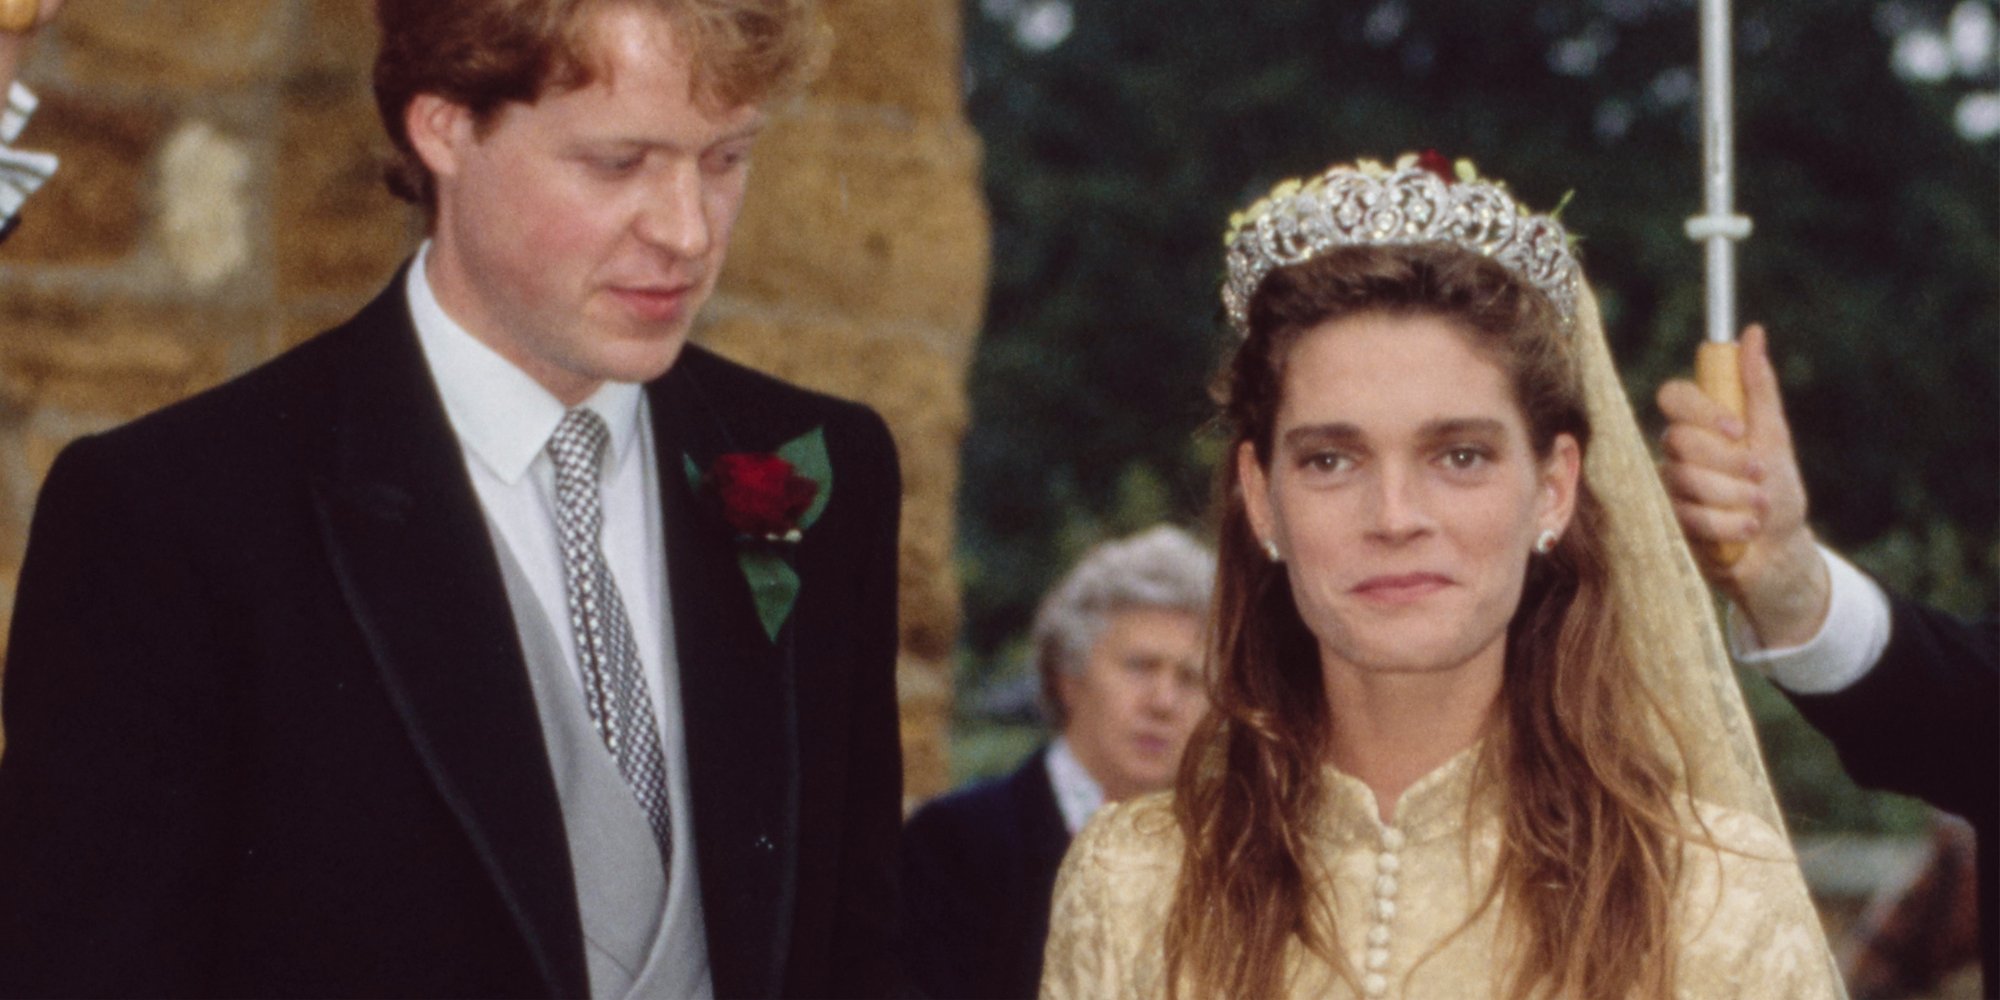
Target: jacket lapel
<point x="738" y="697"/>
<point x="407" y="540"/>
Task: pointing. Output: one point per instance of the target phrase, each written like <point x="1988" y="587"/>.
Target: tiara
<point x="1422" y="199"/>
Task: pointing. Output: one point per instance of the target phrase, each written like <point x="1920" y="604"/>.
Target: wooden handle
<point x="17" y="16"/>
<point x="1716" y="371"/>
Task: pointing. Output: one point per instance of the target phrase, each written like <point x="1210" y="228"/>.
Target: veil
<point x="1670" y="620"/>
<point x="1670" y="623"/>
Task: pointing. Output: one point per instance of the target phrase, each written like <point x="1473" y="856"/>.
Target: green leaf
<point x="774" y="586"/>
<point x="807" y="453"/>
<point x="693" y="473"/>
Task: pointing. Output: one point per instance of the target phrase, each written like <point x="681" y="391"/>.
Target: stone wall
<point x="219" y="200"/>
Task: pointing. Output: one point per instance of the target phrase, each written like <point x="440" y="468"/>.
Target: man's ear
<point x="439" y="131"/>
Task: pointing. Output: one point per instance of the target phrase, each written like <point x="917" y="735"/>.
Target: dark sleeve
<point x="864" y="941"/>
<point x="8" y="226"/>
<point x="109" y="803"/>
<point x="942" y="926"/>
<point x="1925" y="721"/>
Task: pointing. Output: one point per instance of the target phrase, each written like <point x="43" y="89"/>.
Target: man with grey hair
<point x="1118" y="648"/>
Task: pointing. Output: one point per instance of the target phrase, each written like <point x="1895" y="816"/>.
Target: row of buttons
<point x="1376" y="983"/>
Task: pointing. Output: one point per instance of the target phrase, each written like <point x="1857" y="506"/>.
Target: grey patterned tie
<point x="614" y="689"/>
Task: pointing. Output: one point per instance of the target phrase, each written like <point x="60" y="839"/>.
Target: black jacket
<point x="270" y="732"/>
<point x="979" y="871"/>
<point x="1925" y="721"/>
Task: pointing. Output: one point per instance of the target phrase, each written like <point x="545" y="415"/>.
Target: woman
<point x="1472" y="732"/>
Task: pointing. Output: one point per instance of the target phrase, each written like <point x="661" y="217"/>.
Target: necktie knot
<point x="577" y="446"/>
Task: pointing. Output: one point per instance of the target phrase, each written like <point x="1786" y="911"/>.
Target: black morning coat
<point x="979" y="873"/>
<point x="269" y="730"/>
<point x="1926" y="722"/>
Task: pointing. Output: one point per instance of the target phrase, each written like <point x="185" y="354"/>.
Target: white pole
<point x="1719" y="226"/>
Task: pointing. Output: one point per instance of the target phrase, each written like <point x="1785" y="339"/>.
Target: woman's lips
<point x="1402" y="588"/>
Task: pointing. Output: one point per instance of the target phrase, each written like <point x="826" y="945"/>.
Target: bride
<point x="1473" y="734"/>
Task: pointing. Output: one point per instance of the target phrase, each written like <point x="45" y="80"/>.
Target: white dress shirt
<point x="1846" y="647"/>
<point x="503" y="420"/>
<point x="21" y="172"/>
<point x="1078" y="795"/>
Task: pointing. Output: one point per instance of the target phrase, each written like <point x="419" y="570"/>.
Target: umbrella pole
<point x="1719" y="227"/>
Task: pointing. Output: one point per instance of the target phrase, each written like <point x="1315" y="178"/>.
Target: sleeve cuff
<point x="14" y="117"/>
<point x="21" y="174"/>
<point x="1845" y="649"/>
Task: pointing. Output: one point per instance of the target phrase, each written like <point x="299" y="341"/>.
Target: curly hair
<point x="486" y="54"/>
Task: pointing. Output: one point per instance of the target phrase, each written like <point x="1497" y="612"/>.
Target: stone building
<point x="219" y="200"/>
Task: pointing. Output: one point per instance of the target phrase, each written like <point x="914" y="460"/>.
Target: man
<point x="21" y="172"/>
<point x="424" y="660"/>
<point x="1909" y="696"/>
<point x="1118" y="647"/>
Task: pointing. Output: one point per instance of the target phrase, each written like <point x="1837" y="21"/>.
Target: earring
<point x="1271" y="550"/>
<point x="1546" y="542"/>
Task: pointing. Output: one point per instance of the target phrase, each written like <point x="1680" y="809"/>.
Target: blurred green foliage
<point x="1119" y="137"/>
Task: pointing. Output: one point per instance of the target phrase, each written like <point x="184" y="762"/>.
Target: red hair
<point x="486" y="54"/>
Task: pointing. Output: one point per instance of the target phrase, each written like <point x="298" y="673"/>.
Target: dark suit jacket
<point x="1926" y="722"/>
<point x="979" y="871"/>
<point x="270" y="732"/>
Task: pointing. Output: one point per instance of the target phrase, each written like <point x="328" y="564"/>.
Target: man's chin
<point x="643" y="361"/>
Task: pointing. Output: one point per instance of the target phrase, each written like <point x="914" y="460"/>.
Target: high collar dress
<point x="1404" y="897"/>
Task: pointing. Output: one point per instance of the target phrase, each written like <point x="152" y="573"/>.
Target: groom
<point x="425" y="660"/>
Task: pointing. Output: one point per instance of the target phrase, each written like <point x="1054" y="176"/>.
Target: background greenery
<point x="1120" y="135"/>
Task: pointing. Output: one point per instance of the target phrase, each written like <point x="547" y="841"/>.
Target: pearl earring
<point x="1546" y="542"/>
<point x="1271" y="550"/>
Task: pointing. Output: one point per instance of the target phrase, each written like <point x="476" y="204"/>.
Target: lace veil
<point x="1670" y="619"/>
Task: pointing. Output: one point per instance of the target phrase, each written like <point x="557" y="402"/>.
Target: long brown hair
<point x="1587" y="863"/>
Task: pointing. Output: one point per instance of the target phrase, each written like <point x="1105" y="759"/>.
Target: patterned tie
<point x="614" y="689"/>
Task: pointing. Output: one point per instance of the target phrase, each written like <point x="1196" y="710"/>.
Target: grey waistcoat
<point x="634" y="944"/>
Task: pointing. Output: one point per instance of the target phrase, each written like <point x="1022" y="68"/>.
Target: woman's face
<point x="1403" y="494"/>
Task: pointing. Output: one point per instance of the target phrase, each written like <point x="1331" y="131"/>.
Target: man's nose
<point x="673" y="216"/>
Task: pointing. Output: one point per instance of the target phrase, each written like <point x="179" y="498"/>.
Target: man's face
<point x="1136" y="700"/>
<point x="577" y="236"/>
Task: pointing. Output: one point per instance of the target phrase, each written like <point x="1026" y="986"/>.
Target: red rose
<point x="1434" y="161"/>
<point x="761" y="495"/>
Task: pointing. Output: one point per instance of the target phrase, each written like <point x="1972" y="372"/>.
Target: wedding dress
<point x="1745" y="926"/>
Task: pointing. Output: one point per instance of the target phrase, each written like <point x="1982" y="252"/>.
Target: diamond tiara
<point x="1414" y="202"/>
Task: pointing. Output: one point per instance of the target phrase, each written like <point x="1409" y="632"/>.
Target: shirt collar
<point x="500" y="414"/>
<point x="1078" y="794"/>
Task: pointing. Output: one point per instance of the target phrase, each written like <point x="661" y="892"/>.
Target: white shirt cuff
<point x="1846" y="647"/>
<point x="21" y="174"/>
<point x="14" y="117"/>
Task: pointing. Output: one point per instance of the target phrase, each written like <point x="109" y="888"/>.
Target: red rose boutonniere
<point x="763" y="496"/>
<point x="769" y="500"/>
